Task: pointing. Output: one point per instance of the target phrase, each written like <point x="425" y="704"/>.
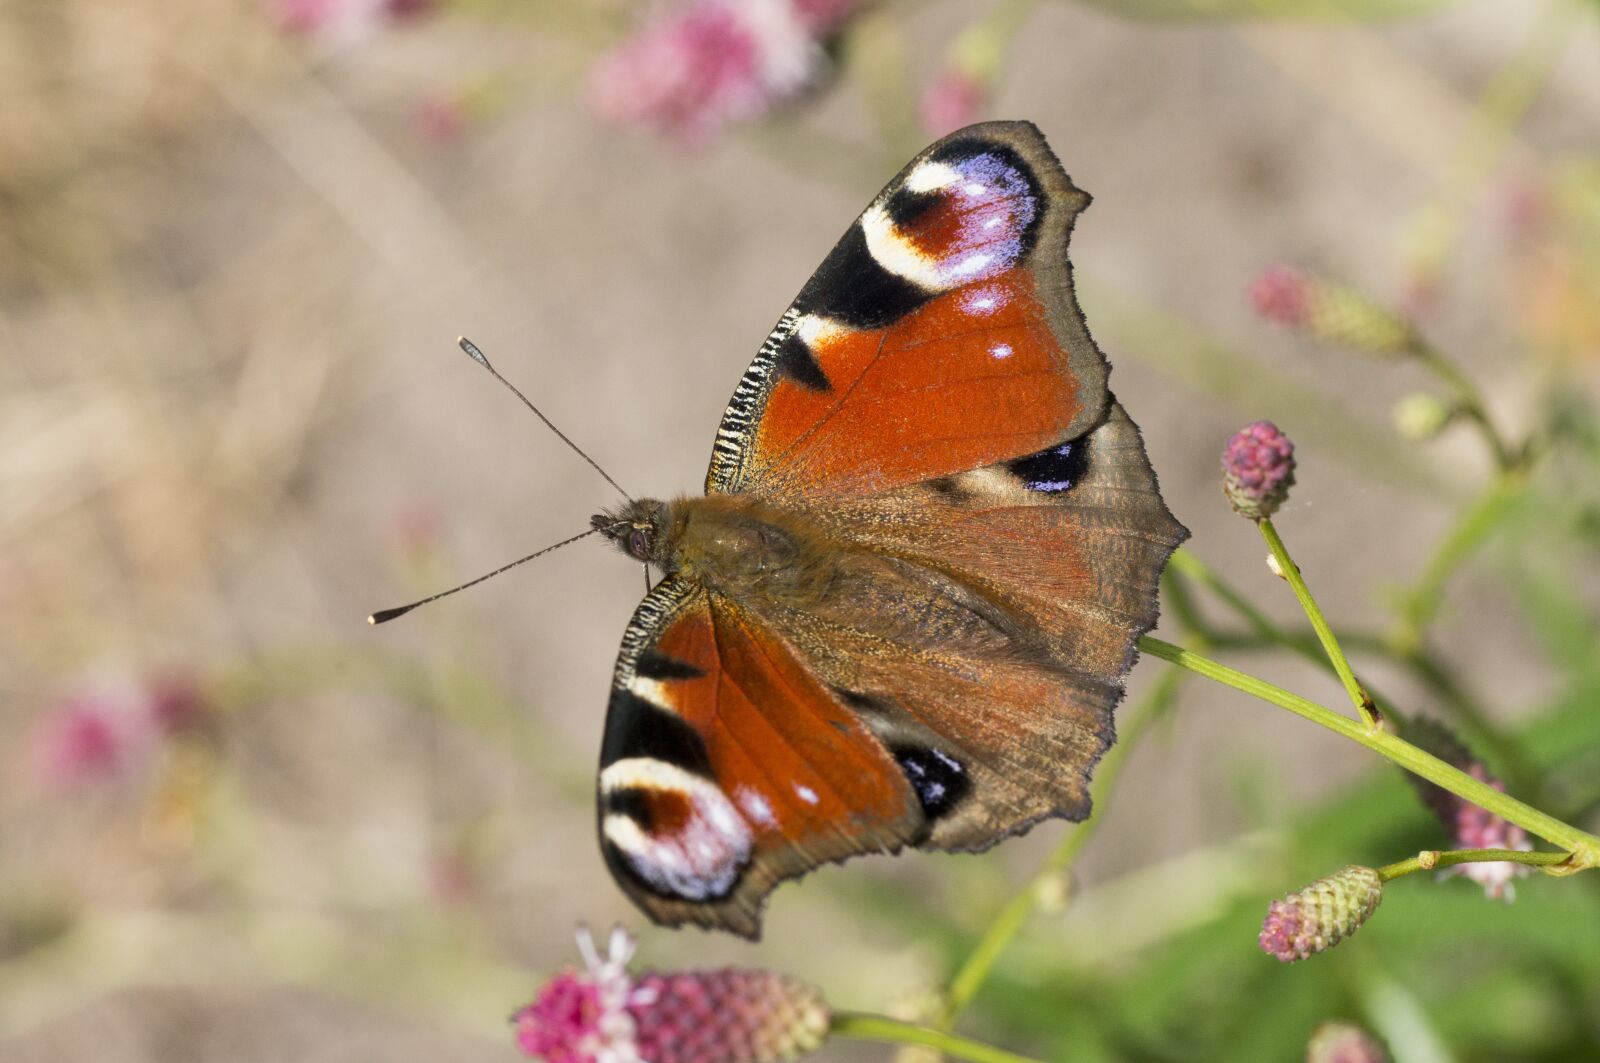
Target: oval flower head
<point x="603" y="1014"/>
<point x="1321" y="915"/>
<point x="1258" y="470"/>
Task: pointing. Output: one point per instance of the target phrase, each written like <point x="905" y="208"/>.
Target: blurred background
<point x="239" y="239"/>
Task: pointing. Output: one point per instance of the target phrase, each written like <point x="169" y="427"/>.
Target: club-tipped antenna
<point x="383" y="616"/>
<point x="478" y="356"/>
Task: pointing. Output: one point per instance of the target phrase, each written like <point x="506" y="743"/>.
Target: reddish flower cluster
<point x="1344" y="1042"/>
<point x="715" y="63"/>
<point x="951" y="100"/>
<point x="1320" y="916"/>
<point x="605" y="1015"/>
<point x="1329" y="311"/>
<point x="343" y="21"/>
<point x="101" y="732"/>
<point x="1469" y="826"/>
<point x="1258" y="470"/>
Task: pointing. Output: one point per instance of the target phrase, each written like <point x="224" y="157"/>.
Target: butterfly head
<point x="636" y="528"/>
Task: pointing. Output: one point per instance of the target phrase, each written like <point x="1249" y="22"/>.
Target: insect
<point x="902" y="612"/>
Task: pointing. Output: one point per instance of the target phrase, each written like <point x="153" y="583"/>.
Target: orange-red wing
<point x="728" y="766"/>
<point x="940" y="335"/>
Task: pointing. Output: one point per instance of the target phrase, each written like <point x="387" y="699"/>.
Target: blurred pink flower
<point x="439" y="119"/>
<point x="605" y="1015"/>
<point x="1282" y="294"/>
<point x="100" y="732"/>
<point x="822" y="17"/>
<point x="174" y="702"/>
<point x="88" y="738"/>
<point x="714" y="63"/>
<point x="950" y="101"/>
<point x="1333" y="312"/>
<point x="343" y="21"/>
<point x="1344" y="1042"/>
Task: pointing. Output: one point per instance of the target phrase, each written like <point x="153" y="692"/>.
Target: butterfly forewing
<point x="941" y="334"/>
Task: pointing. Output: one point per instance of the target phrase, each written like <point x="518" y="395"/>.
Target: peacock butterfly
<point x="930" y="539"/>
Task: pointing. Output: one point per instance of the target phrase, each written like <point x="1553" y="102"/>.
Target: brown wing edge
<point x="1117" y="434"/>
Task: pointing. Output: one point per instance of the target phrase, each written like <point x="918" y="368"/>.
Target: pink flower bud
<point x="1320" y="916"/>
<point x="89" y="738"/>
<point x="1469" y="826"/>
<point x="1282" y="293"/>
<point x="1257" y="470"/>
<point x="950" y="101"/>
<point x="713" y="64"/>
<point x="1344" y="1042"/>
<point x="720" y="1016"/>
<point x="1336" y="313"/>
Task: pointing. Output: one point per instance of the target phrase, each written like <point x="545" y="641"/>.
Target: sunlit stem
<point x="1583" y="847"/>
<point x="1432" y="860"/>
<point x="1330" y="645"/>
<point x="882" y="1028"/>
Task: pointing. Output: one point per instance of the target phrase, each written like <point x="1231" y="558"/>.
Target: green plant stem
<point x="865" y="1027"/>
<point x="1421" y="603"/>
<point x="1584" y="847"/>
<point x="1011" y="918"/>
<point x="1469" y="400"/>
<point x="1431" y="860"/>
<point x="1330" y="645"/>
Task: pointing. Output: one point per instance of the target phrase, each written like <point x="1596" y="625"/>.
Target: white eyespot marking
<point x="699" y="856"/>
<point x="652" y="690"/>
<point x="931" y="176"/>
<point x="816" y="331"/>
<point x="807" y="794"/>
<point x="986" y="206"/>
<point x="1001" y="350"/>
<point x="897" y="254"/>
<point x="756" y="808"/>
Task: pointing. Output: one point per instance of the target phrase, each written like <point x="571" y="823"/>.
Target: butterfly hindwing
<point x="1057" y="556"/>
<point x="941" y="334"/>
<point x="728" y="767"/>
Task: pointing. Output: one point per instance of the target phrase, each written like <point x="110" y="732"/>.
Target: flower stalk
<point x="865" y="1027"/>
<point x="1583" y="848"/>
<point x="1359" y="696"/>
<point x="1434" y="859"/>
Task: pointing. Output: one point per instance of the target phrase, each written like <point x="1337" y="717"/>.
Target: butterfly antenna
<point x="478" y="356"/>
<point x="383" y="616"/>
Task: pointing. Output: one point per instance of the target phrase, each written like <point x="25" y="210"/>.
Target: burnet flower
<point x="1321" y="915"/>
<point x="1330" y="311"/>
<point x="715" y="63"/>
<point x="604" y="1014"/>
<point x="1469" y="826"/>
<point x="1344" y="1042"/>
<point x="1257" y="470"/>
